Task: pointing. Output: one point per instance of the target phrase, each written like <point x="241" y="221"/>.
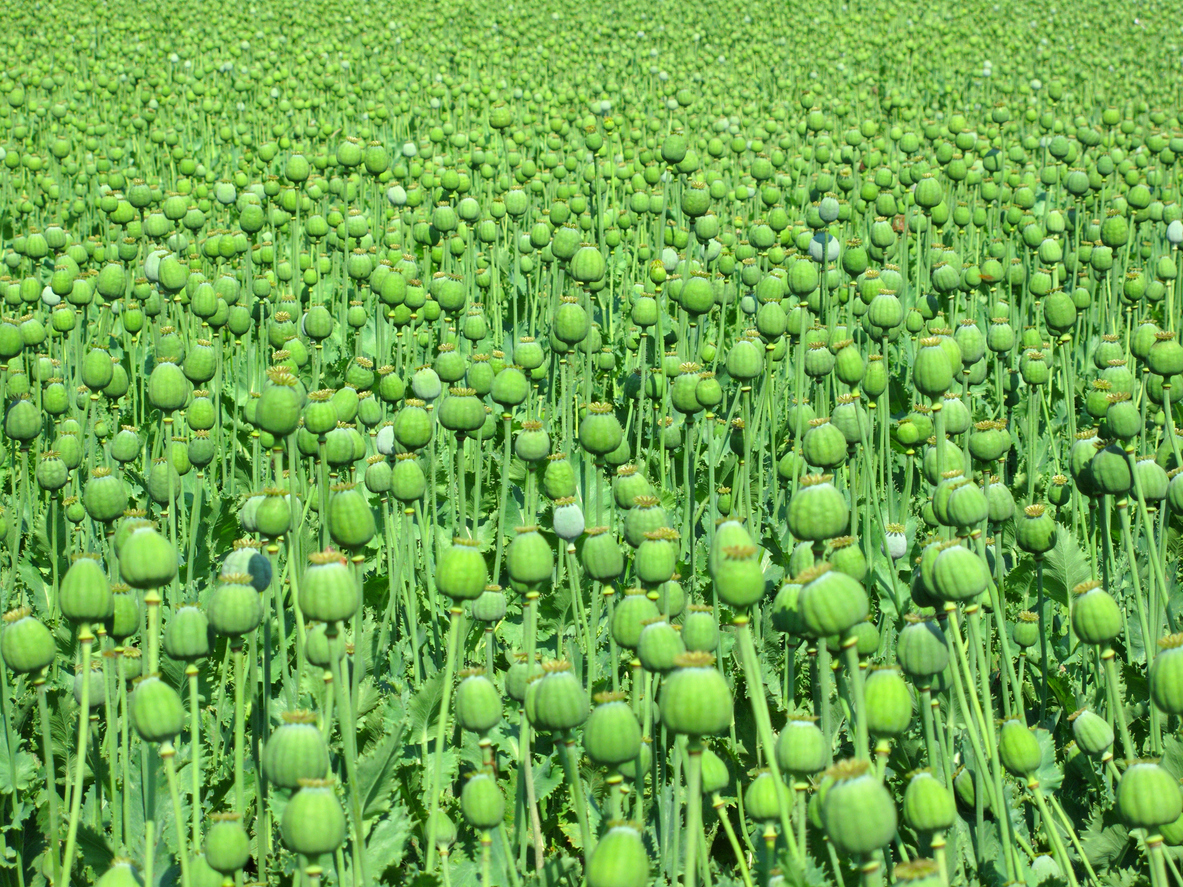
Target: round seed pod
<point x="932" y="372"/>
<point x="22" y="422"/>
<point x="482" y="803"/>
<point x="801" y="749"/>
<point x="85" y="594"/>
<point x="234" y="607"/>
<point x="328" y="589"/>
<point x="858" y="814"/>
<point x="1152" y="478"/>
<point x="928" y="805"/>
<point x="657" y="556"/>
<point x="156" y="710"/>
<point x="519" y="677"/>
<point x="629" y="617"/>
<point x="1035" y="531"/>
<point x="786" y="611"/>
<point x="1018" y="748"/>
<point x="700" y="630"/>
<point x="532" y="443"/>
<point x="738" y="577"/>
<point x="1166" y="675"/>
<point x="1026" y="630"/>
<point x="246" y="558"/>
<point x="964" y="781"/>
<point x="846" y="556"/>
<point x="413" y="425"/>
<point x="645" y="516"/>
<point x="122" y="873"/>
<point x="922" y="650"/>
<point x="612" y="734"/>
<point x="659" y="645"/>
<point x="187" y="635"/>
<point x="559" y="700"/>
<point x="478" y="704"/>
<point x="889" y="702"/>
<point x="558" y="480"/>
<point x="320" y="650"/>
<point x="760" y="800"/>
<point x="407" y="480"/>
<point x="490" y="606"/>
<point x="620" y="859"/>
<point x="959" y="574"/>
<point x="147" y="559"/>
<point x="93" y="677"/>
<point x="295" y="750"/>
<point x="628" y="485"/>
<point x="695" y="699"/>
<point x="601" y="556"/>
<point x="125" y="614"/>
<point x="445" y="830"/>
<point x="1109" y="471"/>
<point x="715" y="775"/>
<point x="817" y="511"/>
<point x="600" y="432"/>
<point x="1000" y="503"/>
<point x="567" y="519"/>
<point x="917" y="873"/>
<point x="461" y="573"/>
<point x="227" y="847"/>
<point x="26" y="645"/>
<point x="831" y="603"/>
<point x="274" y="515"/>
<point x="1092" y="732"/>
<point x="313" y="821"/>
<point x="529" y="559"/>
<point x="1096" y="618"/>
<point x="350" y="518"/>
<point x="1148" y="796"/>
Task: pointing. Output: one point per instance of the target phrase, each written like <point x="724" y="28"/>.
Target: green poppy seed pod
<point x="1092" y="732"/>
<point x="1018" y="748"/>
<point x="932" y="372"/>
<point x="295" y="750"/>
<point x="1165" y="356"/>
<point x="824" y="445"/>
<point x="26" y="645"/>
<point x="124" y="620"/>
<point x="156" y="710"/>
<point x="461" y="573"/>
<point x="328" y="589"/>
<point x="922" y="649"/>
<point x="1026" y="629"/>
<point x="85" y="594"/>
<point x="168" y="389"/>
<point x="558" y="480"/>
<point x="700" y="630"/>
<point x="1123" y="419"/>
<point x="519" y="677"/>
<point x="587" y="265"/>
<point x="786" y="610"/>
<point x="695" y="699"/>
<point x="1148" y="796"/>
<point x="351" y="520"/>
<point x="274" y="514"/>
<point x="889" y="702"/>
<point x="187" y="635"/>
<point x="147" y="559"/>
<point x="801" y="748"/>
<point x="320" y="650"/>
<point x="745" y="360"/>
<point x="227" y="847"/>
<point x="313" y="821"/>
<point x="737" y="576"/>
<point x="1035" y="531"/>
<point x="619" y="859"/>
<point x="928" y="805"/>
<point x="22" y="422"/>
<point x="600" y="432"/>
<point x="490" y="606"/>
<point x="967" y="505"/>
<point x="407" y="480"/>
<point x="510" y="387"/>
<point x="612" y="734"/>
<point x="959" y="574"/>
<point x="846" y="556"/>
<point x="461" y="412"/>
<point x="601" y="556"/>
<point x="629" y="617"/>
<point x="104" y="496"/>
<point x="645" y="516"/>
<point x="1109" y="471"/>
<point x="760" y="800"/>
<point x="657" y="556"/>
<point x="529" y="559"/>
<point x="831" y="603"/>
<point x="1096" y="618"/>
<point x="1166" y="675"/>
<point x="478" y="704"/>
<point x="1153" y="479"/>
<point x="532" y="443"/>
<point x="559" y="700"/>
<point x="659" y="645"/>
<point x="234" y="608"/>
<point x="482" y="802"/>
<point x="818" y="511"/>
<point x="858" y="814"/>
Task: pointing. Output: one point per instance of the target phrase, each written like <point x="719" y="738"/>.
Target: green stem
<point x="87" y="640"/>
<point x="442" y="734"/>
<point x="167" y="752"/>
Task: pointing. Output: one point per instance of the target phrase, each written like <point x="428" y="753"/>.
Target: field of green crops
<point x="591" y="445"/>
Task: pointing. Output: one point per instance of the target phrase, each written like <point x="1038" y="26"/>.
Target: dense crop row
<point x="605" y="444"/>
